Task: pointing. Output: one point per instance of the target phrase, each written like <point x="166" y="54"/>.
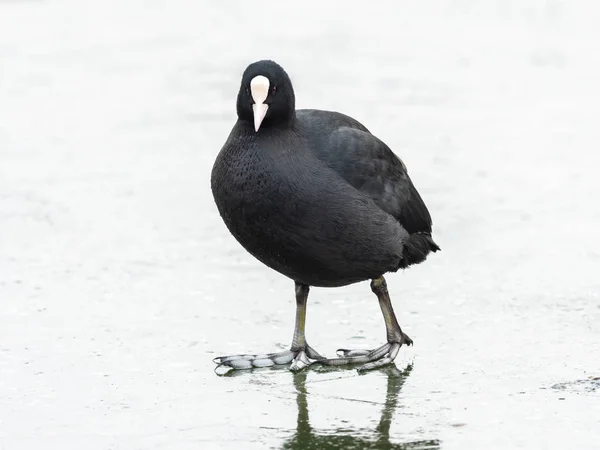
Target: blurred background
<point x="119" y="282"/>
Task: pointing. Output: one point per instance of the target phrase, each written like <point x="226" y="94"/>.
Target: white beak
<point x="260" y="111"/>
<point x="259" y="88"/>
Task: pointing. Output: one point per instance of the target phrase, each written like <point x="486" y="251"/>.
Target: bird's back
<point x="370" y="166"/>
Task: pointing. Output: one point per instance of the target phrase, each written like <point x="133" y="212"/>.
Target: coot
<point x="315" y="196"/>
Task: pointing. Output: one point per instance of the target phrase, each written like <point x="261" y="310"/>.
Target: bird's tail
<point x="416" y="249"/>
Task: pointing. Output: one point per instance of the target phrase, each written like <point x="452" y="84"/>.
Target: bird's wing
<point x="369" y="165"/>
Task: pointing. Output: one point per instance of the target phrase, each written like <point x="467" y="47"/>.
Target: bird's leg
<point x="298" y="354"/>
<point x="300" y="348"/>
<point x="395" y="337"/>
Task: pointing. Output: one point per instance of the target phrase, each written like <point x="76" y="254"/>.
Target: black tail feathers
<point x="416" y="249"/>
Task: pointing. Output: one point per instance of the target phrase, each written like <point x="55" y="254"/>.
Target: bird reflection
<point x="306" y="437"/>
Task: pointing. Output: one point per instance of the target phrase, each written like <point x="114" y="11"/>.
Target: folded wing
<point x="369" y="165"/>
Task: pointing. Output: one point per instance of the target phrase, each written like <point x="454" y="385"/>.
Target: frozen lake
<point x="119" y="282"/>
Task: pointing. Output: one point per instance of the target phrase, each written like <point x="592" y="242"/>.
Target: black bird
<point x="315" y="196"/>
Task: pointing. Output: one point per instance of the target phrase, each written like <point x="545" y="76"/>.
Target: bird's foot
<point x="371" y="359"/>
<point x="298" y="357"/>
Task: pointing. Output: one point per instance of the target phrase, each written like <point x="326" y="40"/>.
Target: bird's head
<point x="266" y="96"/>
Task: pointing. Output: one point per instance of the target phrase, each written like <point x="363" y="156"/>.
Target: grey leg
<point x="299" y="354"/>
<point x="387" y="352"/>
<point x="302" y="350"/>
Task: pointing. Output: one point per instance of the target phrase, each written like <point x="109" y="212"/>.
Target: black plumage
<point x="313" y="194"/>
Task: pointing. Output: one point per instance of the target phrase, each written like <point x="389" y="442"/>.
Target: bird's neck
<point x="268" y="127"/>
